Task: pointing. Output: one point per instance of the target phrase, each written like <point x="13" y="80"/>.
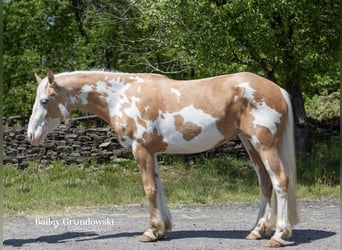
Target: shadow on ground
<point x="50" y="239"/>
<point x="300" y="236"/>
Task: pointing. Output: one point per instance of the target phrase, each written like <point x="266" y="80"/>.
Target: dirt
<point x="195" y="227"/>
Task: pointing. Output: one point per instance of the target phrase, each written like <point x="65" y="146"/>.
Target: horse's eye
<point x="43" y="101"/>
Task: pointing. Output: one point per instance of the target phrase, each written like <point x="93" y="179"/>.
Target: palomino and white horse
<point x="152" y="115"/>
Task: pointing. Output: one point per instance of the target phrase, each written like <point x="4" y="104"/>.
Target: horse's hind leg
<point x="265" y="221"/>
<point x="280" y="182"/>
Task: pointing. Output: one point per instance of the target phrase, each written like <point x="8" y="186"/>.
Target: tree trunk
<point x="78" y="13"/>
<point x="301" y="129"/>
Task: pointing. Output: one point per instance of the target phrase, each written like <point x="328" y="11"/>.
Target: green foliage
<point x="283" y="40"/>
<point x="323" y="166"/>
<point x="269" y="37"/>
<point x="324" y="106"/>
<point x="20" y="98"/>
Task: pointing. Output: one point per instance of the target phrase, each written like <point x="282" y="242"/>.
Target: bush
<point x="19" y="100"/>
<point x="323" y="106"/>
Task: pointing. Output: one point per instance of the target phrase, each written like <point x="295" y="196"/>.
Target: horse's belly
<point x="186" y="131"/>
<point x="189" y="134"/>
<point x="176" y="144"/>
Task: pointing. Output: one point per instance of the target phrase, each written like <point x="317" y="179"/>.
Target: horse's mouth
<point x="35" y="140"/>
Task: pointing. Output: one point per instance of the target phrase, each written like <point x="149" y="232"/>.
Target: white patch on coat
<point x="249" y="91"/>
<point x="254" y="141"/>
<point x="137" y="79"/>
<point x="282" y="203"/>
<point x="86" y="89"/>
<point x="266" y="117"/>
<point x="133" y="112"/>
<point x="126" y="141"/>
<point x="63" y="110"/>
<point x="207" y="139"/>
<point x="176" y="92"/>
<point x="116" y="95"/>
<point x="73" y="100"/>
<point x="272" y="175"/>
<point x="117" y="83"/>
<point x="102" y="87"/>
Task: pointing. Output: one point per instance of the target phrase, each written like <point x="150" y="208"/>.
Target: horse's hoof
<point x="145" y="238"/>
<point x="253" y="236"/>
<point x="274" y="243"/>
<point x="149" y="236"/>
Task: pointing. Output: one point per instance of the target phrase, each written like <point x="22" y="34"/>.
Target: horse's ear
<point x="38" y="79"/>
<point x="51" y="78"/>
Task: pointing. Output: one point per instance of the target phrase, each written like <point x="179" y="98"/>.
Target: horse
<point x="152" y="114"/>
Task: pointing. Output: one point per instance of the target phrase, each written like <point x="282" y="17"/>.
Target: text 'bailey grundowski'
<point x="74" y="222"/>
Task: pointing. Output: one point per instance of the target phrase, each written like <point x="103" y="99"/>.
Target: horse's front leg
<point x="160" y="219"/>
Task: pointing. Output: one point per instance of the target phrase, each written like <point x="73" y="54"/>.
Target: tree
<point x="294" y="43"/>
<point x="61" y="35"/>
<point x="37" y="35"/>
<point x="289" y="42"/>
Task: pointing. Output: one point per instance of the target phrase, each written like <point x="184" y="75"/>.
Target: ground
<point x="195" y="227"/>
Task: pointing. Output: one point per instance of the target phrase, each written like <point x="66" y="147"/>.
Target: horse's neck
<point x="96" y="93"/>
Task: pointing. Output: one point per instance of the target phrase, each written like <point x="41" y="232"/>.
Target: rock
<point x="84" y="138"/>
<point x="75" y="154"/>
<point x="71" y="136"/>
<point x="105" y="144"/>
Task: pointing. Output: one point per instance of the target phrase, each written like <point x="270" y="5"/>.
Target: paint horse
<point x="152" y="114"/>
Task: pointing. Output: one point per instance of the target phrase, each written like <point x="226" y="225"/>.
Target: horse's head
<point x="48" y="111"/>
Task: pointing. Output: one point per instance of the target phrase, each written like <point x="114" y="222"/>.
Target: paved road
<point x="195" y="227"/>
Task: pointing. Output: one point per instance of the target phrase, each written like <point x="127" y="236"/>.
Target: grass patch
<point x="222" y="179"/>
<point x="323" y="165"/>
<point x="212" y="180"/>
<point x="58" y="186"/>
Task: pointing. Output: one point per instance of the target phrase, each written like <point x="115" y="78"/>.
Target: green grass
<point x="55" y="186"/>
<point x="323" y="165"/>
<point x="59" y="186"/>
<point x="210" y="181"/>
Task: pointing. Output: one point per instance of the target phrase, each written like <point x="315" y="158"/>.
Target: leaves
<point x="281" y="40"/>
<point x="324" y="106"/>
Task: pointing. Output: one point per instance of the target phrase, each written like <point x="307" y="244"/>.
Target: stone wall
<point x="84" y="139"/>
<point x="79" y="140"/>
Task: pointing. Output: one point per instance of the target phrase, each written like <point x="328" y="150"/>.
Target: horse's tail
<point x="288" y="158"/>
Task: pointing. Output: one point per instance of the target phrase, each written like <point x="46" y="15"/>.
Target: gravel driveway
<point x="195" y="227"/>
